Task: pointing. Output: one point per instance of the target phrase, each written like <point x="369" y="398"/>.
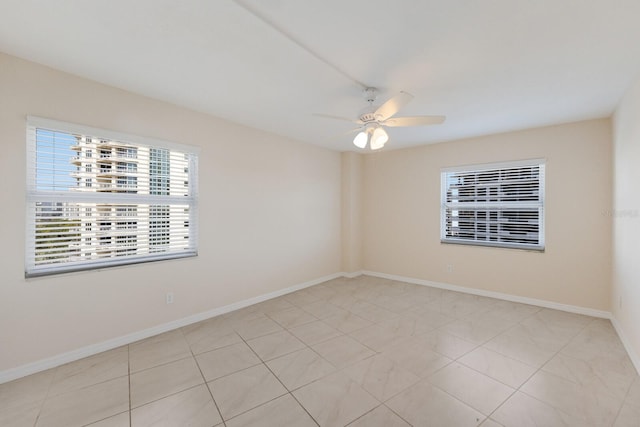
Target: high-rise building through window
<point x="102" y="200"/>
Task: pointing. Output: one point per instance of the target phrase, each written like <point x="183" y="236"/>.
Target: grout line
<point x="129" y="378"/>
<point x="280" y="381"/>
<point x="204" y="379"/>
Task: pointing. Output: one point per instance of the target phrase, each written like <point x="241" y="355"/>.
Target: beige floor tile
<point x="120" y="420"/>
<point x="19" y="414"/>
<point x="275" y="304"/>
<point x="615" y="378"/>
<point x="162" y="381"/>
<point x="381" y="377"/>
<point x="459" y="305"/>
<point x="378" y="337"/>
<point x="416" y="357"/>
<point x="158" y="350"/>
<point x="335" y="400"/>
<point x="256" y="327"/>
<point x="244" y="390"/>
<point x="629" y="416"/>
<point x="590" y="405"/>
<point x="321" y="292"/>
<point x="323" y="309"/>
<point x="275" y="345"/>
<point x="342" y="351"/>
<point x="471" y="387"/>
<point x="521" y="410"/>
<point x="406" y="325"/>
<point x="563" y="319"/>
<point x="347" y="322"/>
<point x="300" y="368"/>
<point x="244" y="315"/>
<point x="510" y="312"/>
<point x="32" y="388"/>
<point x="372" y="312"/>
<point x="90" y="370"/>
<point x="86" y="405"/>
<point x="476" y="328"/>
<point x="280" y="412"/>
<point x="425" y="405"/>
<point x="292" y="317"/>
<point x="227" y="360"/>
<point x="502" y="368"/>
<point x="598" y="341"/>
<point x="398" y="303"/>
<point x="428" y="317"/>
<point x="518" y="344"/>
<point x="343" y="301"/>
<point x="490" y="423"/>
<point x="315" y="332"/>
<point x="544" y="327"/>
<point x="633" y="395"/>
<point x="380" y="417"/>
<point x="210" y="335"/>
<point x="446" y="344"/>
<point x="302" y="297"/>
<point x="193" y="407"/>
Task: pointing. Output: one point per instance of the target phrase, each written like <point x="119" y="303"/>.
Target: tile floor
<point x="358" y="352"/>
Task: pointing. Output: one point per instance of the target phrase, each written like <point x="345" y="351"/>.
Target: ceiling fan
<point x="373" y="120"/>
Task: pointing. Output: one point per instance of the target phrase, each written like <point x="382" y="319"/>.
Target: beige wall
<point x="402" y="221"/>
<point x="270" y="212"/>
<point x="352" y="187"/>
<point x="626" y="219"/>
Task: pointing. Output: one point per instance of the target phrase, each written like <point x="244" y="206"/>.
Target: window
<point x="133" y="208"/>
<point x="494" y="205"/>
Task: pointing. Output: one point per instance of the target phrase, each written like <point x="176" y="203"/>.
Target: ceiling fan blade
<point x="392" y="106"/>
<point x="344" y="119"/>
<point x="340" y="136"/>
<point x="414" y="121"/>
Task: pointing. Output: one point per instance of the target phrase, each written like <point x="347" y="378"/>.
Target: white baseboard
<point x="498" y="295"/>
<point x="61" y="359"/>
<point x="353" y="274"/>
<point x="635" y="359"/>
<point x="627" y="344"/>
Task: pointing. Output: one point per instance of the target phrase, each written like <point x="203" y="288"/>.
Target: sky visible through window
<point x="53" y="164"/>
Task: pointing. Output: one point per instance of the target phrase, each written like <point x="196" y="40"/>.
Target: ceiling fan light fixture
<point x="379" y="138"/>
<point x="360" y="140"/>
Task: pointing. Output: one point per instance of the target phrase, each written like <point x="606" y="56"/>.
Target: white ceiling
<point x="490" y="66"/>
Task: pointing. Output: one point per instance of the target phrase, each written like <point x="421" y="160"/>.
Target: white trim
<point x="61" y="359"/>
<point x="635" y="358"/>
<point x="59" y="125"/>
<point x="498" y="165"/>
<point x="499" y="295"/>
<point x="352" y="274"/>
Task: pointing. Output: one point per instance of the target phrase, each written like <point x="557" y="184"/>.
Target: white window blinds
<point x="494" y="205"/>
<point x="97" y="198"/>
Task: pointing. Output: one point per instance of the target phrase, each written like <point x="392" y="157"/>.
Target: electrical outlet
<point x="449" y="268"/>
<point x="169" y="297"/>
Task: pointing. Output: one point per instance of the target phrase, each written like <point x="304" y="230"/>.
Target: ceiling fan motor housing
<point x="368" y="117"/>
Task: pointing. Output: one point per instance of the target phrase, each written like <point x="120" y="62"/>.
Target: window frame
<point x="502" y="206"/>
<point x="34" y="196"/>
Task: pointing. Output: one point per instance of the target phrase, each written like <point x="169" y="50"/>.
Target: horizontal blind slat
<point x="494" y="205"/>
<point x="95" y="201"/>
